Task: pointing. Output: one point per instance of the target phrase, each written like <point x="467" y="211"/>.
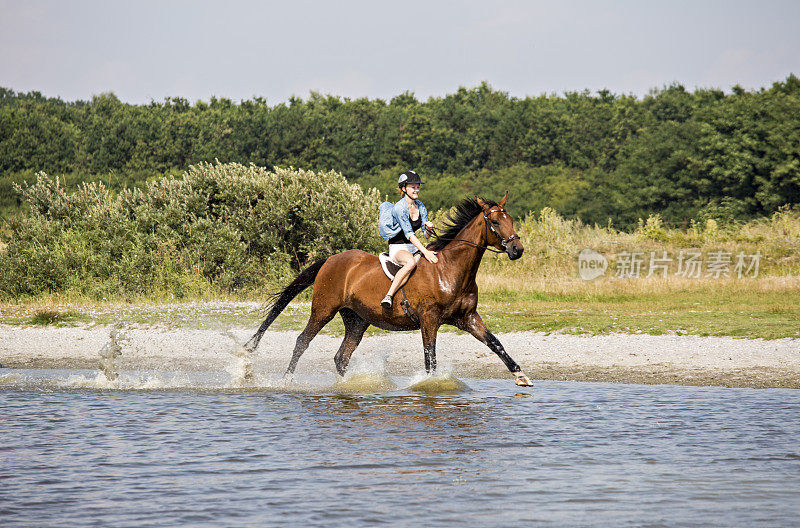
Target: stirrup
<point x="387" y="301"/>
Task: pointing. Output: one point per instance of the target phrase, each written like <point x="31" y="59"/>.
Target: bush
<point x="225" y="227"/>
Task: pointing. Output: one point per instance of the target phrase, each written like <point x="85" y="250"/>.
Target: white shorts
<point x="394" y="248"/>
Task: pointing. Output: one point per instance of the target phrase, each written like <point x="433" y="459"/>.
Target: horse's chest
<point x="449" y="288"/>
<point x="451" y="295"/>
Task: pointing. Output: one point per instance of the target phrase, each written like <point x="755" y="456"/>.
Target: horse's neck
<point x="466" y="254"/>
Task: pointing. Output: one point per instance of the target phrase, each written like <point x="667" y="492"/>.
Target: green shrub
<point x="227" y="227"/>
<point x="652" y="229"/>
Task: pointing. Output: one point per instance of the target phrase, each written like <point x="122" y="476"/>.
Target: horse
<point x="352" y="284"/>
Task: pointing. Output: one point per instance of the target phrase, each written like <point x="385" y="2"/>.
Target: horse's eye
<point x="495" y="222"/>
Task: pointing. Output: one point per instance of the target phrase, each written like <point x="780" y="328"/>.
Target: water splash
<point x="365" y="382"/>
<point x="11" y="379"/>
<point x="109" y="354"/>
<point x="439" y="383"/>
<point x="359" y="381"/>
<point x="127" y="381"/>
<point x="55" y="379"/>
<point x="365" y="375"/>
<point x="189" y="381"/>
<point x="241" y="370"/>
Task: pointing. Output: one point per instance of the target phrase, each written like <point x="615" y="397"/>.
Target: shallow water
<point x="208" y="449"/>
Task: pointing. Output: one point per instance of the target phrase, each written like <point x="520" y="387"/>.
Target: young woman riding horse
<point x="404" y="247"/>
<point x="352" y="283"/>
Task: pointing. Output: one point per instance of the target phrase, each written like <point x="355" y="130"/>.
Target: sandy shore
<point x="689" y="360"/>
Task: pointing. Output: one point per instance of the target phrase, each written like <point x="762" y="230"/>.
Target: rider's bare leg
<point x="409" y="262"/>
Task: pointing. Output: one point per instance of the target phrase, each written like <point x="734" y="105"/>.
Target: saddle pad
<point x="389" y="266"/>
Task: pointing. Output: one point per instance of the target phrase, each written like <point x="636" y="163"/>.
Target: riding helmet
<point x="408" y="178"/>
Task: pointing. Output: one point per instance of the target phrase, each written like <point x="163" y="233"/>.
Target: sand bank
<point x="689" y="360"/>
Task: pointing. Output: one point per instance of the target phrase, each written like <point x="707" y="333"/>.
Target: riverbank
<point x="650" y="359"/>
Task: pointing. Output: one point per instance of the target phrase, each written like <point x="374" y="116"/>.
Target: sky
<point x="146" y="50"/>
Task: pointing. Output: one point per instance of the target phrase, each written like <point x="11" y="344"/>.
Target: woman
<point x="404" y="247"/>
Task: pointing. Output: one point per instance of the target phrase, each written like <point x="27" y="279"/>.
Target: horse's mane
<point x="456" y="220"/>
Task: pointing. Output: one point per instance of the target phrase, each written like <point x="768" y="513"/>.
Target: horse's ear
<point x="503" y="201"/>
<point x="480" y="202"/>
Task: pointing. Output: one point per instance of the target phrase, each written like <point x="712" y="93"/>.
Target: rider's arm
<point x="423" y="213"/>
<point x="417" y="244"/>
<point x="427" y="253"/>
<point x="403" y="218"/>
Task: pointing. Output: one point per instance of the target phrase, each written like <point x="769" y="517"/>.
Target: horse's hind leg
<point x="354" y="328"/>
<point x="320" y="316"/>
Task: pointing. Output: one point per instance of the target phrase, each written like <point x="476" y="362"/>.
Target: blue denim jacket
<point x="403" y="217"/>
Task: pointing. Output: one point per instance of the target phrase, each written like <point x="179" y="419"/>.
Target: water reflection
<point x="419" y="437"/>
<point x="397" y="414"/>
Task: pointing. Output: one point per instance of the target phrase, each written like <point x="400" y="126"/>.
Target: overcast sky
<point x="149" y="50"/>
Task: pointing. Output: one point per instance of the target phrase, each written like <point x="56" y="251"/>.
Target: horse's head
<point x="500" y="228"/>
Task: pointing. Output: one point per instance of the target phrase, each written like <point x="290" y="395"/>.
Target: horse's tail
<point x="280" y="300"/>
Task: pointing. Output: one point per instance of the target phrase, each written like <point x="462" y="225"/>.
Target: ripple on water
<point x="289" y="451"/>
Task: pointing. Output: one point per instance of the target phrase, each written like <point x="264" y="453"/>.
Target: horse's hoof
<point x="523" y="381"/>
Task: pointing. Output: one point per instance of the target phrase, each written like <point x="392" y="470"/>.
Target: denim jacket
<point x="403" y="217"/>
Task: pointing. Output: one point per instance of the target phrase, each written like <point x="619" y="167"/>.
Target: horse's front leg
<point x="430" y="328"/>
<point x="473" y="324"/>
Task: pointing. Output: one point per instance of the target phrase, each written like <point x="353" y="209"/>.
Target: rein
<point x="503" y="241"/>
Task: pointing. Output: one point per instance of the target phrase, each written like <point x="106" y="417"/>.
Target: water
<point x="203" y="449"/>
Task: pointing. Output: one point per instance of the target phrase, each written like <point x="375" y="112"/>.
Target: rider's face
<point x="412" y="190"/>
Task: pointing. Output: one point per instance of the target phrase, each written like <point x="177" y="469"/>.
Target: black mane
<point x="456" y="220"/>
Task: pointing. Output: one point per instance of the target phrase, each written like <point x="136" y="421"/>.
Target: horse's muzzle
<point x="514" y="250"/>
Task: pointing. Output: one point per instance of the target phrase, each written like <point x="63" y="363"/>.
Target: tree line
<point x="596" y="156"/>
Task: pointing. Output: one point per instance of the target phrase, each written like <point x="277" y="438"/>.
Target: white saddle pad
<point x="389" y="266"/>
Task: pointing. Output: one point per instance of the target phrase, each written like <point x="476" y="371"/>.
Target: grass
<point x="766" y="308"/>
<point x="54" y="316"/>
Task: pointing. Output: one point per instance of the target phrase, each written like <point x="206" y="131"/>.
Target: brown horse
<point x="352" y="283"/>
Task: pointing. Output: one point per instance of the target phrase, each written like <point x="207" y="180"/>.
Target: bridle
<point x="503" y="241"/>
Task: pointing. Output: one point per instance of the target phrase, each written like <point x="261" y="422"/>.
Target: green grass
<point x="756" y="309"/>
<point x="702" y="311"/>
<point x="54" y="317"/>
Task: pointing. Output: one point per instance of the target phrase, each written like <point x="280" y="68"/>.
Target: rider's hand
<point x="431" y="256"/>
<point x="428" y="229"/>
